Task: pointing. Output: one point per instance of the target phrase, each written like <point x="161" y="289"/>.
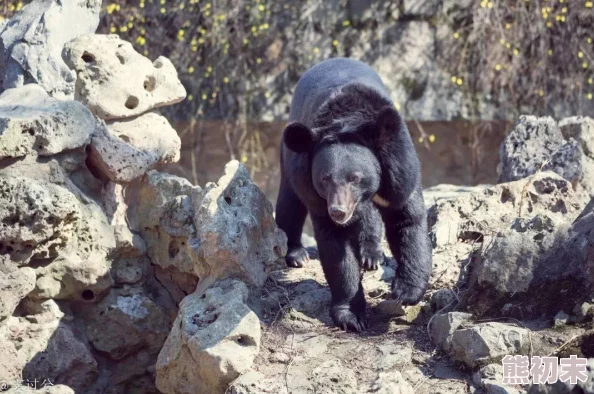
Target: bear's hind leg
<point x="290" y="216"/>
<point x="341" y="269"/>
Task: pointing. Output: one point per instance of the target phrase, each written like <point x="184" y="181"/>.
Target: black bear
<point x="348" y="160"/>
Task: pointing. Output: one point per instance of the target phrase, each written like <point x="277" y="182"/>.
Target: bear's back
<point x="320" y="81"/>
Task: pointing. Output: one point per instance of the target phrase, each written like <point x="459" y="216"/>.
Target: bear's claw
<point x="297" y="257"/>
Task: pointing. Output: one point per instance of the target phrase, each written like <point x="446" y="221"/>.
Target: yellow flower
<point x="261" y="7"/>
<point x="432" y="138"/>
<point x="258" y="60"/>
<point x="140" y="40"/>
<point x="111" y="8"/>
<point x="564" y="10"/>
<point x="397" y="105"/>
<point x="590" y="81"/>
<point x="267" y="94"/>
<point x="516" y="51"/>
<point x="204" y="96"/>
<point x="589" y="96"/>
<point x="454" y="78"/>
<point x="459" y="81"/>
<point x="123" y="29"/>
<point x="226" y="79"/>
<point x="191" y="69"/>
<point x="245" y="41"/>
<point x="502" y="41"/>
<point x="190" y="97"/>
<point x="584" y="65"/>
<point x="489" y="4"/>
<point x="209" y="69"/>
<point x="456" y="35"/>
<point x="498" y="67"/>
<point x="580" y="54"/>
<point x="508" y="45"/>
<point x="508" y="26"/>
<point x="335" y="43"/>
<point x="19" y="5"/>
<point x="113" y="29"/>
<point x="421" y="140"/>
<point x="244" y="159"/>
<point x="549" y="24"/>
<point x="588" y="4"/>
<point x="550" y="52"/>
<point x="589" y="40"/>
<point x="316" y="50"/>
<point x="346" y="23"/>
<point x="163" y="10"/>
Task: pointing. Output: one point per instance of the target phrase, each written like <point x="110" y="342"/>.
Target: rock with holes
<point x="214" y="339"/>
<point x="115" y="81"/>
<point x="237" y="234"/>
<point x="523" y="269"/>
<point x="46" y="347"/>
<point x="15" y="284"/>
<point x="487" y="343"/>
<point x="493" y="209"/>
<point x="32" y="123"/>
<point x="165" y="218"/>
<point x="125" y="322"/>
<point x="564" y="147"/>
<point x="113" y="159"/>
<point x="149" y="132"/>
<point x="38" y="219"/>
<point x="31" y="44"/>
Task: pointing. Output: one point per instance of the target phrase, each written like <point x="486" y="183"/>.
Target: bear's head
<point x="345" y="169"/>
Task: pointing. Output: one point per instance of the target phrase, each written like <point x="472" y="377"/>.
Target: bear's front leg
<point x="407" y="236"/>
<point x="370" y="237"/>
<point x="341" y="268"/>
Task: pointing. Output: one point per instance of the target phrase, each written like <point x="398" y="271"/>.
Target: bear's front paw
<point x="297" y="257"/>
<point x="347" y="319"/>
<point x="406" y="293"/>
<point x="371" y="257"/>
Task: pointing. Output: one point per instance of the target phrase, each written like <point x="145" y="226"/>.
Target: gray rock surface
<point x="33" y="123"/>
<point x="31" y="44"/>
<point x="214" y="339"/>
<point x="117" y="82"/>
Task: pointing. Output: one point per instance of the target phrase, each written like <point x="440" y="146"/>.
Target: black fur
<point x="345" y="143"/>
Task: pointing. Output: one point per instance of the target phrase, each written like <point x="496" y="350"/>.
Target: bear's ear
<point x="388" y="122"/>
<point x="299" y="138"/>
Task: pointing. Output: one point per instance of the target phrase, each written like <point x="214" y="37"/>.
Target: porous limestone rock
<point x="214" y="339"/>
<point x="237" y="232"/>
<point x="487" y="343"/>
<point x="31" y="43"/>
<point x="149" y="132"/>
<point x="47" y="347"/>
<point x="542" y="144"/>
<point x="15" y="284"/>
<point x="117" y="82"/>
<point x="125" y="322"/>
<point x="31" y="122"/>
<point x="116" y="160"/>
<point x="40" y="219"/>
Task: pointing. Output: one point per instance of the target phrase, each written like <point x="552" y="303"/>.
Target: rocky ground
<point x="120" y="279"/>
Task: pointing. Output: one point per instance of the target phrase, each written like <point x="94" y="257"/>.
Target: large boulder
<point x="237" y="232"/>
<point x="31" y="43"/>
<point x="117" y="82"/>
<point x="214" y="339"/>
<point x="542" y="144"/>
<point x="31" y="122"/>
<point x="125" y="322"/>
